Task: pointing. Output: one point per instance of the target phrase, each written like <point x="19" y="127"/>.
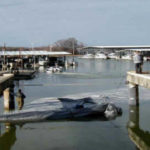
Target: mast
<point x="73" y="51"/>
<point x="21" y="57"/>
<point x="4" y="53"/>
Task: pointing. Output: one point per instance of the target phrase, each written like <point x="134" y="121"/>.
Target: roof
<point x="133" y="46"/>
<point x="139" y="50"/>
<point x="31" y="53"/>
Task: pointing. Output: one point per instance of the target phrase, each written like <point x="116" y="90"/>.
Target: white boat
<point x="87" y="56"/>
<point x="42" y="62"/>
<point x="145" y="58"/>
<point x="112" y="56"/>
<point x="127" y="57"/>
<point x="41" y="69"/>
<point x="100" y="56"/>
<point x="54" y="69"/>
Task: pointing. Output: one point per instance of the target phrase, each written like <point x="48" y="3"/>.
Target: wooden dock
<point x="5" y="81"/>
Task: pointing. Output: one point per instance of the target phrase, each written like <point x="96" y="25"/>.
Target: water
<point x="91" y="77"/>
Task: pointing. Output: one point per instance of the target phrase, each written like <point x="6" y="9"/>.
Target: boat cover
<point x="62" y="108"/>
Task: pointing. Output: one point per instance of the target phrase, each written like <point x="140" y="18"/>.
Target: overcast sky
<point x="93" y="22"/>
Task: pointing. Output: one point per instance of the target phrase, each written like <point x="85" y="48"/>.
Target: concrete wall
<point x="139" y="79"/>
<point x="5" y="81"/>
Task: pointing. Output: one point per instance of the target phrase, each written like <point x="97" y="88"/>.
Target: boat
<point x="112" y="56"/>
<point x="42" y="62"/>
<point x="41" y="69"/>
<point x="100" y="56"/>
<point x="127" y="57"/>
<point x="63" y="108"/>
<point x="87" y="56"/>
<point x="54" y="69"/>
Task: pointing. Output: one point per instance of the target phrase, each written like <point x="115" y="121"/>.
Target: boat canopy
<point x="31" y="53"/>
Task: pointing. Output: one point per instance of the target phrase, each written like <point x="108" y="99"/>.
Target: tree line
<point x="71" y="45"/>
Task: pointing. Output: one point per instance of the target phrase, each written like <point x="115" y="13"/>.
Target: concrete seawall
<point x="139" y="79"/>
<point x="5" y="81"/>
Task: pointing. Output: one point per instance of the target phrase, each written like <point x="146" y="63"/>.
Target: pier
<point x="24" y="74"/>
<point x="135" y="79"/>
<point x="3" y="72"/>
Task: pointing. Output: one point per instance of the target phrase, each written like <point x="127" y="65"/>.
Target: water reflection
<point x="139" y="137"/>
<point x="20" y="99"/>
<point x="8" y="138"/>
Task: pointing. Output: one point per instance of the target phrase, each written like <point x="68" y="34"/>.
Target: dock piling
<point x="133" y="95"/>
<point x="133" y="117"/>
<point x="9" y="103"/>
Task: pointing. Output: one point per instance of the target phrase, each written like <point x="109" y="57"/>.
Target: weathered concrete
<point x="9" y="103"/>
<point x="135" y="79"/>
<point x="133" y="95"/>
<point x="5" y="81"/>
<point x="3" y="72"/>
<point x="139" y="137"/>
<point x="139" y="79"/>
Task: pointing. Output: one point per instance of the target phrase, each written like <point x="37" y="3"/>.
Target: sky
<point x="93" y="22"/>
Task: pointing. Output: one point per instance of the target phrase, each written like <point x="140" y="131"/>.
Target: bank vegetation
<point x="71" y="45"/>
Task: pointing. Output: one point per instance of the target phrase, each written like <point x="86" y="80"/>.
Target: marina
<point x="95" y="80"/>
<point x="74" y="75"/>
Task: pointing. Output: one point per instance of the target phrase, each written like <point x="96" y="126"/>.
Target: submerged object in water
<point x="61" y="108"/>
<point x="112" y="111"/>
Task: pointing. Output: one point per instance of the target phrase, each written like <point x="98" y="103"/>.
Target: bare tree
<point x="70" y="44"/>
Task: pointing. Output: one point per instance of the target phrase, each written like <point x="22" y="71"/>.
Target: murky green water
<point x="105" y="77"/>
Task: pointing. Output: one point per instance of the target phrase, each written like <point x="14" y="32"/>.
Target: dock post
<point x="134" y="95"/>
<point x="9" y="103"/>
<point x="134" y="117"/>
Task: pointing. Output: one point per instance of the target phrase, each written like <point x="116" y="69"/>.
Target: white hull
<point x="101" y="56"/>
<point x="54" y="69"/>
<point x="87" y="56"/>
<point x="112" y="56"/>
<point x="126" y="57"/>
<point x="42" y="63"/>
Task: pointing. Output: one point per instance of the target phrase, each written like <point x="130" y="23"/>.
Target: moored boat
<point x="87" y="56"/>
<point x="54" y="69"/>
<point x="112" y="56"/>
<point x="127" y="57"/>
<point x="101" y="56"/>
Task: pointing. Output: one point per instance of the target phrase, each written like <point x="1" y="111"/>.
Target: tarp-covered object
<point x="61" y="108"/>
